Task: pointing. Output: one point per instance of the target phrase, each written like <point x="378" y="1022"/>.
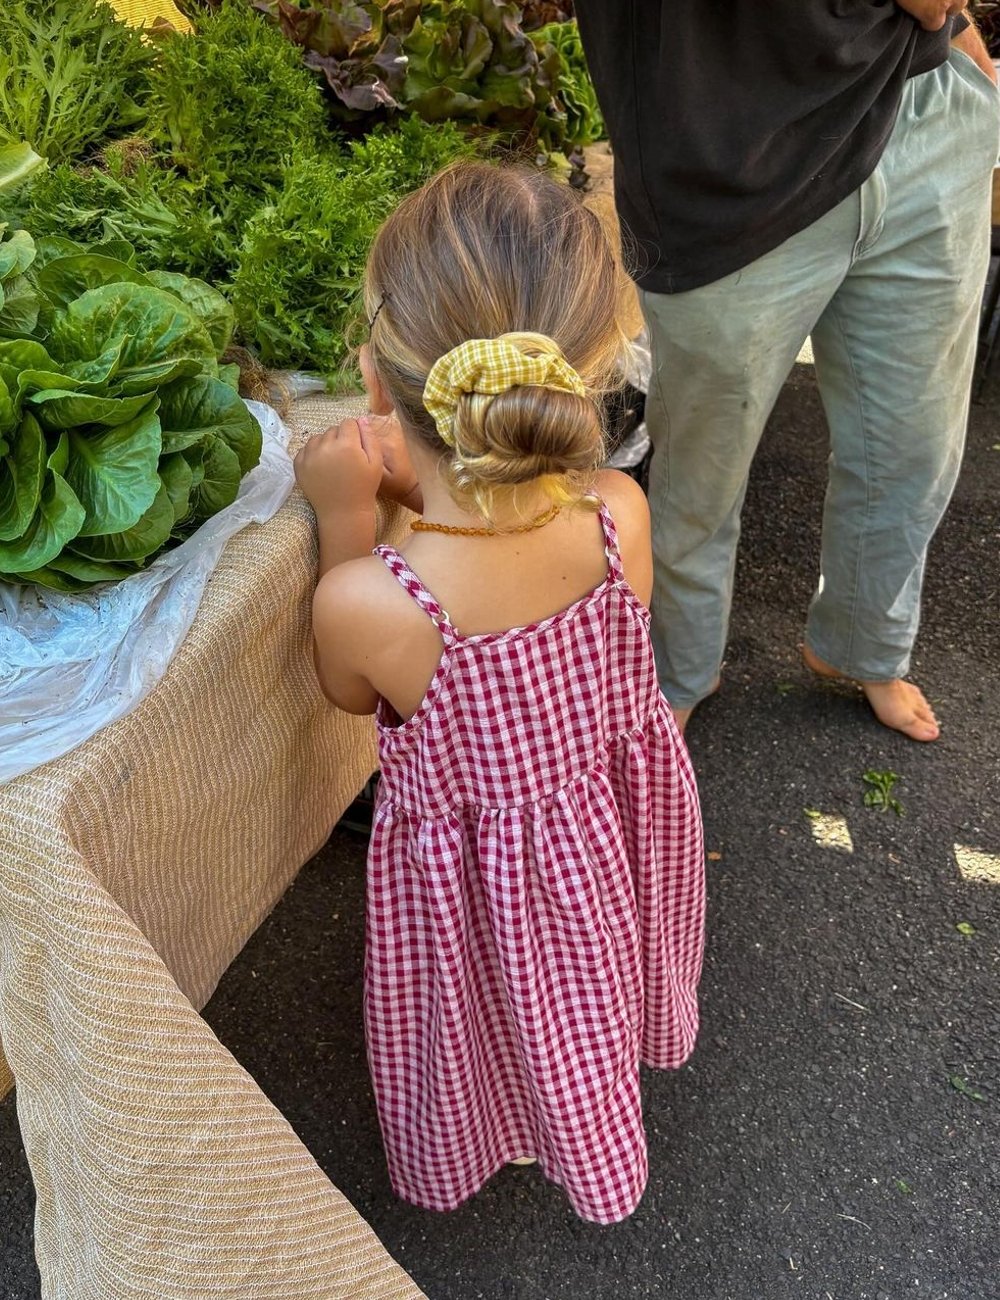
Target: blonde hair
<point x="483" y="252"/>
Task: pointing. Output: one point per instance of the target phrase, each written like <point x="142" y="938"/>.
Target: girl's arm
<point x="340" y="643"/>
<point x="339" y="472"/>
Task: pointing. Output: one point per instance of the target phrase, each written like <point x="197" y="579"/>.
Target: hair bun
<point x="523" y="433"/>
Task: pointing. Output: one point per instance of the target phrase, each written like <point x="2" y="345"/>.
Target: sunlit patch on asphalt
<point x="976" y="865"/>
<point x="829" y="830"/>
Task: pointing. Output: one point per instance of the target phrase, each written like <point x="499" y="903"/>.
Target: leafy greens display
<point x="575" y="90"/>
<point x="73" y="75"/>
<point x="296" y="287"/>
<point x="119" y="434"/>
<point x="246" y="174"/>
<point x="469" y="60"/>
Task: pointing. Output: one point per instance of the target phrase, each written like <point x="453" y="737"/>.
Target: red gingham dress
<point x="535" y="904"/>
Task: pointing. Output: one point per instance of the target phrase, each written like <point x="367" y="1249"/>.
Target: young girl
<point x="535" y="876"/>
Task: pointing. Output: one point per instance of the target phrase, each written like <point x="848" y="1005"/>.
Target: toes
<point x="910" y="724"/>
<point x="921" y="724"/>
<point x="923" y="716"/>
<point x="904" y="708"/>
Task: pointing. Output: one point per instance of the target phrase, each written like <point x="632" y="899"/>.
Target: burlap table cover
<point x="131" y="872"/>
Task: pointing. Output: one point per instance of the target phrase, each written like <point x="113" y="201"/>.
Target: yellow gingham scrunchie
<point x="490" y="366"/>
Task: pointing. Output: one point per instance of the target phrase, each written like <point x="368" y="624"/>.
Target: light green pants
<point x="888" y="284"/>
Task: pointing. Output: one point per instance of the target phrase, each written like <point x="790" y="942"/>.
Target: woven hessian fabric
<point x="131" y="872"/>
<point x="147" y="13"/>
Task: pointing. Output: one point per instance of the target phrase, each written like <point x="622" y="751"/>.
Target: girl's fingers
<point x="370" y="443"/>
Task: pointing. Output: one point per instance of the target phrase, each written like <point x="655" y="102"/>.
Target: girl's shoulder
<point x="371" y="636"/>
<point x="629" y="509"/>
<point x="367" y="593"/>
<point x="624" y="498"/>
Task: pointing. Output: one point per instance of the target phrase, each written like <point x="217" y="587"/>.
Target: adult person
<point x="787" y="169"/>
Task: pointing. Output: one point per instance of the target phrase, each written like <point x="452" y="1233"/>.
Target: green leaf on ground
<point x="964" y="1087"/>
<point x="965" y="927"/>
<point x="880" y="795"/>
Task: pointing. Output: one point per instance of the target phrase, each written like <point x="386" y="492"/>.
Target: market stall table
<point x="132" y="871"/>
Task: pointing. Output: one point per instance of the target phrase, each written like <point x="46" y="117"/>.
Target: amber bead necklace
<point x="457" y="530"/>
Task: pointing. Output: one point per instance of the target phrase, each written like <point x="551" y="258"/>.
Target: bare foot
<point x="897" y="704"/>
<point x="681" y="715"/>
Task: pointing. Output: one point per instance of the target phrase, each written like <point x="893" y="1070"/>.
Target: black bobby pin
<point x="371" y="323"/>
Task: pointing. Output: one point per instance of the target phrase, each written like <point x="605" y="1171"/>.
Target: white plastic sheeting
<point x="70" y="664"/>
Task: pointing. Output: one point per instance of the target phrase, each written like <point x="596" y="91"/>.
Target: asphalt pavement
<point x="836" y="1135"/>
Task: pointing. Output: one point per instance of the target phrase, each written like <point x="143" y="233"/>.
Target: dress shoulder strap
<point x="611" y="544"/>
<point x="417" y="592"/>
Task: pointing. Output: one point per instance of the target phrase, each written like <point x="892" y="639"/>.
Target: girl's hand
<point x="399" y="479"/>
<point x="340" y="470"/>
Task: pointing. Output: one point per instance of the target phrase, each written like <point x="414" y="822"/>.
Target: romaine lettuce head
<point x="56" y="520"/>
<point x="211" y="308"/>
<point x="20" y="301"/>
<point x="158" y="336"/>
<point x="193" y="410"/>
<point x="113" y="472"/>
<point x="117" y="435"/>
<point x="64" y="279"/>
<point x="22" y="471"/>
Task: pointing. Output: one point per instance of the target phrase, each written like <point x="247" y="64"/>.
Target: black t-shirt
<point x="737" y="123"/>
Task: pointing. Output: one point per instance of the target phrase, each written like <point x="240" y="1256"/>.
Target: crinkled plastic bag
<point x="70" y="664"/>
<point x="637" y="369"/>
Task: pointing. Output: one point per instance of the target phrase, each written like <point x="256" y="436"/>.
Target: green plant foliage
<point x="299" y="269"/>
<point x="240" y="183"/>
<point x="232" y="103"/>
<point x="401" y="158"/>
<point x="17" y="163"/>
<point x="879" y="793"/>
<point x="573" y="87"/>
<point x="169" y="221"/>
<point x="303" y="257"/>
<point x="116" y="434"/>
<point x="19" y="303"/>
<point x="73" y="75"/>
<point x="441" y="59"/>
<point x="227" y="108"/>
